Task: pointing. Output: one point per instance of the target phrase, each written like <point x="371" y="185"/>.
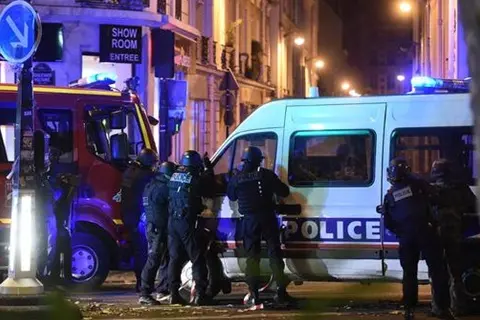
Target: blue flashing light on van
<point x="423" y="84"/>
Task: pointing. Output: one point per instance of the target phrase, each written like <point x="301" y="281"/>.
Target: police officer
<point x="134" y="180"/>
<point x="155" y="202"/>
<point x="187" y="186"/>
<point x="455" y="199"/>
<point x="407" y="214"/>
<point x="254" y="188"/>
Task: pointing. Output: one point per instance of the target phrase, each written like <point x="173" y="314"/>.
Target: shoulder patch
<point x="402" y="193"/>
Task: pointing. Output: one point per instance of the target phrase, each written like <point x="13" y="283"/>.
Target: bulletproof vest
<point x="134" y="181"/>
<point x="409" y="207"/>
<point x="254" y="194"/>
<point x="184" y="195"/>
<point x="453" y="203"/>
<point x="155" y="214"/>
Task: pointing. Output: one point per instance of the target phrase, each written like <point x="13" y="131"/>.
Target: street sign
<point x="21" y="31"/>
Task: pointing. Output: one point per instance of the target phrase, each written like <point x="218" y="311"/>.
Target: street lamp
<point x="319" y="64"/>
<point x="345" y="85"/>
<point x="401" y="77"/>
<point x="405" y="7"/>
<point x="299" y="41"/>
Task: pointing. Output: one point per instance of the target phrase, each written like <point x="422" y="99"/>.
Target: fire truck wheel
<point x="90" y="261"/>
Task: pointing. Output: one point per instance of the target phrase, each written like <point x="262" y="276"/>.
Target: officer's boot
<point x="176" y="298"/>
<point x="252" y="299"/>
<point x="226" y="286"/>
<point x="409" y="314"/>
<point x="446" y="315"/>
<point x="281" y="296"/>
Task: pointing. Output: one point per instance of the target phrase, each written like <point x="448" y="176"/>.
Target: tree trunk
<point x="470" y="17"/>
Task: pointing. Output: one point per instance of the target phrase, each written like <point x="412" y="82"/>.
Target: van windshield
<point x="99" y="133"/>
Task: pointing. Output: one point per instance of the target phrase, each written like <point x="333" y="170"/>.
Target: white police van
<point x="333" y="153"/>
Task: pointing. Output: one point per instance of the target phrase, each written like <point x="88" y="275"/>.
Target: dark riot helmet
<point x="398" y="170"/>
<point x="252" y="155"/>
<point x="441" y="169"/>
<point x="191" y="159"/>
<point x="167" y="168"/>
<point x="147" y="158"/>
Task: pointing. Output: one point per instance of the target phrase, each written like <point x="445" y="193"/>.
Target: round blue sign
<point x="19" y="22"/>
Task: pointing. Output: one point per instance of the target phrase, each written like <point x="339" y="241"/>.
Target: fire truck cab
<point x="80" y="123"/>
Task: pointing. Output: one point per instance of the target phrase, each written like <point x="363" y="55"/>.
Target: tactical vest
<point x="184" y="194"/>
<point x="254" y="195"/>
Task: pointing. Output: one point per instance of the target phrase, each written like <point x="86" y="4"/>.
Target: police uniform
<point x="407" y="214"/>
<point x="454" y="199"/>
<point x="186" y="188"/>
<point x="135" y="178"/>
<point x="155" y="202"/>
<point x="254" y="188"/>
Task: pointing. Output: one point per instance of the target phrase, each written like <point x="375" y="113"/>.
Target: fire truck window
<point x="7" y="148"/>
<point x="98" y="131"/>
<point x="58" y="124"/>
<point x="422" y="146"/>
<point x="331" y="158"/>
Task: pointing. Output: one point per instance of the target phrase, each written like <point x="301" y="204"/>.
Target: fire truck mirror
<point x="153" y="121"/>
<point x="118" y="120"/>
<point x="119" y="147"/>
<point x="41" y="151"/>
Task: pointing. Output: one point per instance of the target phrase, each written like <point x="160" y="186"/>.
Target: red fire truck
<point x="77" y="120"/>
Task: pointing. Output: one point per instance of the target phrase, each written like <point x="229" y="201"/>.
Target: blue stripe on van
<point x="366" y="230"/>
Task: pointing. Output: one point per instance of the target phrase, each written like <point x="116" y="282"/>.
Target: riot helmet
<point x="252" y="155"/>
<point x="167" y="168"/>
<point x="191" y="159"/>
<point x="147" y="158"/>
<point x="446" y="170"/>
<point x="398" y="170"/>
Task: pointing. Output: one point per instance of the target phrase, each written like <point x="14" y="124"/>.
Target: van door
<point x="333" y="163"/>
<point x="228" y="219"/>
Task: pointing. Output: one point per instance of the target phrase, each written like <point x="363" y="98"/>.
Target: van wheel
<point x="90" y="261"/>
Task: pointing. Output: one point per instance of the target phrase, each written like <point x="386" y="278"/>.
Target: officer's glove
<point x="206" y="161"/>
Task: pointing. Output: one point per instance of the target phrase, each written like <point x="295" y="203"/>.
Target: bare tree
<point x="470" y="17"/>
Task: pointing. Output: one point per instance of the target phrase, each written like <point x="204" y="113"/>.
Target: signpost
<point x="21" y="34"/>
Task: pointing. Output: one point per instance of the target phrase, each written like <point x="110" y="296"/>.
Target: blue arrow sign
<point x="18" y="22"/>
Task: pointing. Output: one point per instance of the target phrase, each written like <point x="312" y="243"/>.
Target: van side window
<point x="58" y="124"/>
<point x="231" y="158"/>
<point x="331" y="158"/>
<point x="422" y="146"/>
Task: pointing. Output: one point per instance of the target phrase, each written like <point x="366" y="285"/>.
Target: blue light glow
<point x="98" y="80"/>
<point x="101" y="77"/>
<point x="426" y="82"/>
<point x="422" y="84"/>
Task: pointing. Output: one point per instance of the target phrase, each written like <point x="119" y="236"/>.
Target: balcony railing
<point x="132" y="5"/>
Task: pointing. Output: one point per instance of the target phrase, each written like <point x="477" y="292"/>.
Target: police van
<point x="333" y="153"/>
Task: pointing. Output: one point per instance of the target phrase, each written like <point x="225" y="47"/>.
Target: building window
<point x="422" y="146"/>
<point x="331" y="158"/>
<point x="178" y="9"/>
<point x="200" y="125"/>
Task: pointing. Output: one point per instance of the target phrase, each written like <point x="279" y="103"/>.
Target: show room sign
<point x="120" y="44"/>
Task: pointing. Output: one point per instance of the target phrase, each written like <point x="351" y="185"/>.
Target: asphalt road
<point x="117" y="300"/>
